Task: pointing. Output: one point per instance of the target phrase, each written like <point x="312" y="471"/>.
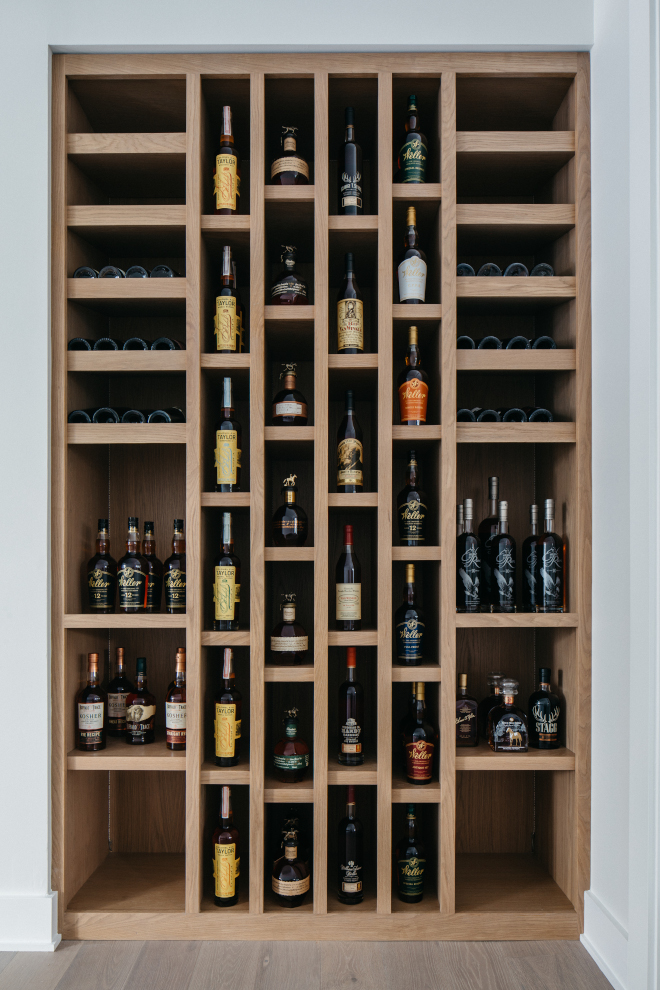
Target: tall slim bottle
<point x="350" y="452"/>
<point x="226" y="855"/>
<point x="227" y="171"/>
<point x="350" y="856"/>
<point x="155" y="572"/>
<point x="174" y="570"/>
<point x="228" y="440"/>
<point x="119" y="689"/>
<point x="412" y="267"/>
<point x="413" y="153"/>
<point x="349" y="165"/>
<point x="468" y="564"/>
<point x="420" y="740"/>
<point x="102" y="573"/>
<point x="413" y="384"/>
<point x="350" y="313"/>
<point x="348" y="587"/>
<point x="351" y="716"/>
<point x="227" y="724"/>
<point x="500" y="550"/>
<point x="175" y="705"/>
<point x="409" y="625"/>
<point x="227" y="581"/>
<point x="410" y="859"/>
<point x="488" y="528"/>
<point x="552" y="564"/>
<point x="226" y="322"/>
<point x="530" y="564"/>
<point x="91" y="710"/>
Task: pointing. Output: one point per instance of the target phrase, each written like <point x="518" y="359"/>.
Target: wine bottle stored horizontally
<point x="174" y="573"/>
<point x="227" y="725"/>
<point x="348" y="587"/>
<point x="290" y="519"/>
<point x="155" y="569"/>
<point x="413" y="153"/>
<point x="412" y="267"/>
<point x="351" y="716"/>
<point x="227" y="171"/>
<point x="102" y="573"/>
<point x="91" y="710"/>
<point x="350" y="855"/>
<point x="412" y="508"/>
<point x="227" y="581"/>
<point x="468" y="564"/>
<point x="226" y="322"/>
<point x="413" y="385"/>
<point x="228" y="441"/>
<point x="140" y="709"/>
<point x="175" y="705"/>
<point x="410" y="625"/>
<point x="349" y="168"/>
<point x="133" y="573"/>
<point x="410" y="857"/>
<point x="119" y="689"/>
<point x="226" y="855"/>
<point x="289" y="405"/>
<point x="350" y="312"/>
<point x="350" y="452"/>
<point x="289" y="288"/>
<point x="289" y="169"/>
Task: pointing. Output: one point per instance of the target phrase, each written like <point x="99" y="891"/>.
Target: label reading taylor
<point x="413" y="396"/>
<point x="101" y="586"/>
<point x="132" y="588"/>
<point x="412" y="279"/>
<point x="350" y="324"/>
<point x="419" y="759"/>
<point x="289" y="644"/>
<point x="350" y="736"/>
<point x="225" y="869"/>
<point x="227" y="457"/>
<point x="413" y="517"/>
<point x="411" y="875"/>
<point x="227" y="184"/>
<point x="224" y="593"/>
<point x="227" y="730"/>
<point x="349" y="462"/>
<point x="413" y="160"/>
<point x="175" y="722"/>
<point x="226" y="324"/>
<point x="349" y="602"/>
<point x="291" y="888"/>
<point x="175" y="590"/>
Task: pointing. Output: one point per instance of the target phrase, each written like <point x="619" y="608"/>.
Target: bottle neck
<point x="412" y="123"/>
<point x="350" y="674"/>
<point x="290" y="382"/>
<point x="462" y="690"/>
<point x="420" y="709"/>
<point x="289" y="496"/>
<point x="411" y="238"/>
<point x="492" y="506"/>
<point x="132" y="545"/>
<point x="103" y="544"/>
<point x="178" y="545"/>
<point x="468" y="525"/>
<point x="349" y="134"/>
<point x="413" y="357"/>
<point x="509" y="699"/>
<point x="544" y="686"/>
<point x="226" y="136"/>
<point x="411" y="827"/>
<point x="93" y="677"/>
<point x="350" y="809"/>
<point x="549" y="525"/>
<point x="503" y="526"/>
<point x="141" y="682"/>
<point x="149" y="548"/>
<point x="535" y="529"/>
<point x="412" y="474"/>
<point x="409" y="593"/>
<point x="180" y="677"/>
<point x="228" y="546"/>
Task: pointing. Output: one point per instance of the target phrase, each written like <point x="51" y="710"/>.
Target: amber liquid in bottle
<point x="228" y="703"/>
<point x="226" y="855"/>
<point x="419" y="741"/>
<point x="350" y="716"/>
<point x="413" y="154"/>
<point x="140" y="709"/>
<point x="289" y="169"/>
<point x="155" y="569"/>
<point x="290" y="288"/>
<point x="289" y="642"/>
<point x="350" y="313"/>
<point x="91" y="710"/>
<point x="290" y="877"/>
<point x="291" y="754"/>
<point x="413" y="385"/>
<point x="175" y="705"/>
<point x="228" y="440"/>
<point x="174" y="570"/>
<point x="466" y="715"/>
<point x="289" y="405"/>
<point x="290" y="520"/>
<point x="227" y="171"/>
<point x="102" y="574"/>
<point x="119" y="689"/>
<point x="133" y="573"/>
<point x="350" y="452"/>
<point x="226" y="321"/>
<point x="412" y="508"/>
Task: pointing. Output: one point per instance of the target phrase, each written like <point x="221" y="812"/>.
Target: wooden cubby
<point x="134" y="139"/>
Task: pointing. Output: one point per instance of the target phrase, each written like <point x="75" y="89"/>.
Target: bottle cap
<point x="412" y="457"/>
<point x="226" y="794"/>
<point x="494" y="678"/>
<point x="148" y="530"/>
<point x="462" y="680"/>
<point x="411" y="811"/>
<point x="228" y="663"/>
<point x="92" y="661"/>
<point x="288" y="368"/>
<point x="349" y="116"/>
<point x="348" y="535"/>
<point x="420" y="690"/>
<point x="410" y="573"/>
<point x="549" y="508"/>
<point x="350" y="797"/>
<point x="459" y="513"/>
<point x="226" y="528"/>
<point x="141" y="665"/>
<point x="413" y="335"/>
<point x="226" y="261"/>
<point x="350" y="656"/>
<point x="509" y="686"/>
<point x="133" y="522"/>
<point x="468" y="508"/>
<point x="544" y="675"/>
<point x="503" y="511"/>
<point x="493" y="488"/>
<point x="411" y="217"/>
<point x="227" y="400"/>
<point x="533" y="513"/>
<point x="412" y="102"/>
<point x="104" y="525"/>
<point x="288" y="252"/>
<point x="178" y="525"/>
<point x="180" y="658"/>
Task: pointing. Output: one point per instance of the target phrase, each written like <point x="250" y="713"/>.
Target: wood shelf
<point x="289" y="553"/>
<point x="126" y="217"/>
<point x="516" y="620"/>
<point x="482" y="757"/>
<point x="358" y="225"/>
<point x="289" y="434"/>
<point x="365" y="637"/>
<point x="225" y="362"/>
<point x="118" y="755"/>
<point x="412" y="554"/>
<point x="226" y="500"/>
<point x="425" y="672"/>
<point x="514" y="142"/>
<point x="285" y="675"/>
<point x="515" y="432"/>
<point x="212" y="774"/>
<point x="353" y="362"/>
<point x="127" y="361"/>
<point x="112" y="888"/>
<point x="415" y="192"/>
<point x="289" y="314"/>
<point x="289" y="194"/>
<point x="276" y="792"/>
<point x="126" y="433"/>
<point x="531" y="289"/>
<point x="422" y="313"/>
<point x="364" y="774"/>
<point x="356" y="500"/>
<point x="119" y="620"/>
<point x="225" y="225"/>
<point x="126" y="144"/>
<point x="238" y="637"/>
<point x="414" y="433"/>
<point x="403" y="792"/>
<point x="547" y="219"/>
<point x="562" y="359"/>
<point x="129" y="292"/>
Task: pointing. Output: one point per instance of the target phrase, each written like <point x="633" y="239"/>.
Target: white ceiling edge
<point x="284" y="49"/>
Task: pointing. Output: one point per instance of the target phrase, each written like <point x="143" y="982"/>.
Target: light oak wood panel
<point x="289" y="194"/>
<point x="534" y="288"/>
<point x="126" y="216"/>
<point x="365" y="637"/>
<point x="479" y="885"/>
<point x="126" y="433"/>
<point x="284" y="675"/>
<point x="482" y="757"/>
<point x="405" y="793"/>
<point x="290" y="553"/>
<point x="425" y="672"/>
<point x="289" y="314"/>
<point x="226" y="225"/>
<point x="112" y="888"/>
<point x="522" y="142"/>
<point x="133" y="361"/>
<point x="126" y="144"/>
<point x="118" y="755"/>
<point x="421" y="313"/>
<point x="352" y="362"/>
<point x="429" y="191"/>
<point x="119" y="620"/>
<point x="357" y="225"/>
<point x="129" y="290"/>
<point x="240" y="637"/>
<point x="363" y="775"/>
<point x="554" y="216"/>
<point x="516" y="620"/>
<point x="289" y="434"/>
<point x="225" y="500"/>
<point x="225" y="361"/>
<point x="211" y="774"/>
<point x="276" y="792"/>
<point x="515" y="432"/>
<point x="416" y="553"/>
<point x="414" y="433"/>
<point x="562" y="359"/>
<point x="355" y="500"/>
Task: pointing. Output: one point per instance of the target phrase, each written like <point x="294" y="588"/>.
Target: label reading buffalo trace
<point x="419" y="760"/>
<point x="227" y="183"/>
<point x="349" y="602"/>
<point x="413" y="397"/>
<point x="175" y="721"/>
<point x="132" y="588"/>
<point x="225" y="593"/>
<point x="413" y="517"/>
<point x="227" y="457"/>
<point x="349" y="462"/>
<point x="90" y="721"/>
<point x="117" y="711"/>
<point x="412" y="279"/>
<point x="350" y="324"/>
<point x="226" y="869"/>
<point x="411" y="875"/>
<point x="226" y="323"/>
<point x="227" y="730"/>
<point x="140" y="720"/>
<point x="101" y="587"/>
<point x="175" y="590"/>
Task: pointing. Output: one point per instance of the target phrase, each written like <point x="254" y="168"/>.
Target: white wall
<point x="625" y="375"/>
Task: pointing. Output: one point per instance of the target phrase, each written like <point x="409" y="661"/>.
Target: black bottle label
<point x="350" y="737"/>
<point x="101" y="586"/>
<point x="510" y="734"/>
<point x="140" y="720"/>
<point x="504" y="577"/>
<point x="175" y="590"/>
<point x="132" y="588"/>
<point x="410" y="873"/>
<point x="412" y="521"/>
<point x="152" y="592"/>
<point x="530" y="577"/>
<point x="410" y="639"/>
<point x="550" y="572"/>
<point x="546" y="721"/>
<point x="413" y="160"/>
<point x="466" y="722"/>
<point x="469" y="570"/>
<point x="351" y="877"/>
<point x="350" y="190"/>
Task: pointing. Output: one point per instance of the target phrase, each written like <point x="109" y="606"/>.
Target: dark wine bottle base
<point x="291" y="902"/>
<point x="227" y="489"/>
<point x="418" y="783"/>
<point x="91" y="748"/>
<point x="351" y="350"/>
<point x="351" y="760"/>
<point x="102" y="611"/>
<point x="413" y="422"/>
<point x="225" y="625"/>
<point x="287" y="660"/>
<point x="117" y="733"/>
<point x="225" y="901"/>
<point x="143" y="741"/>
<point x="227" y="761"/>
<point x="175" y="611"/>
<point x="401" y="662"/>
<point x="411" y="898"/>
<point x="346" y="899"/>
<point x="350" y="489"/>
<point x="175" y="746"/>
<point x="290" y="778"/>
<point x="345" y="625"/>
<point x="132" y="611"/>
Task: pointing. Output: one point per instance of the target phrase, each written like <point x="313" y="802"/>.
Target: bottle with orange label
<point x="419" y="741"/>
<point x="227" y="171"/>
<point x="413" y="384"/>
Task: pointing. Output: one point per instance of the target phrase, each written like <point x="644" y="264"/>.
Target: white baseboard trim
<point x="28" y="923"/>
<point x="606" y="941"/>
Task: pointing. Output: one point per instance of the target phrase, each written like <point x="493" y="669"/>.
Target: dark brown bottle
<point x="419" y="741"/>
<point x="290" y="288"/>
<point x="350" y="843"/>
<point x="350" y="452"/>
<point x="228" y="440"/>
<point x="133" y="573"/>
<point x="410" y="625"/>
<point x="102" y="573"/>
<point x="488" y="528"/>
<point x="350" y="313"/>
<point x="412" y="267"/>
<point x="174" y="570"/>
<point x="468" y="564"/>
<point x="227" y="171"/>
<point x="291" y="754"/>
<point x="140" y="709"/>
<point x="290" y="877"/>
<point x="228" y="704"/>
<point x="226" y="581"/>
<point x="507" y="724"/>
<point x="226" y="322"/>
<point x="544" y="714"/>
<point x="290" y="520"/>
<point x="175" y="705"/>
<point x="289" y="405"/>
<point x="289" y="169"/>
<point x="410" y="859"/>
<point x="226" y="855"/>
<point x="348" y="587"/>
<point x="289" y="642"/>
<point x="494" y="681"/>
<point x="91" y="710"/>
<point x="466" y="715"/>
<point x="155" y="569"/>
<point x="413" y="153"/>
<point x="412" y="509"/>
<point x="413" y="385"/>
<point x="119" y="689"/>
<point x="350" y="716"/>
<point x="349" y="168"/>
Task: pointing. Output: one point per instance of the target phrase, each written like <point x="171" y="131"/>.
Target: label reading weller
<point x="101" y="587"/>
<point x="413" y="161"/>
<point x="419" y="760"/>
<point x="413" y="516"/>
<point x="132" y="588"/>
<point x="175" y="590"/>
<point x="413" y="397"/>
<point x="411" y="875"/>
<point x="412" y="279"/>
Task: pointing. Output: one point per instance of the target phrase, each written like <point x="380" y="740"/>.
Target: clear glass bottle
<point x="290" y="527"/>
<point x="466" y="715"/>
<point x="289" y="642"/>
<point x="552" y="564"/>
<point x="289" y="405"/>
<point x="350" y="312"/>
<point x="102" y="573"/>
<point x="507" y="724"/>
<point x="350" y="855"/>
<point x="227" y="581"/>
<point x="91" y="710"/>
<point x="412" y="267"/>
<point x="227" y="725"/>
<point x="350" y="451"/>
<point x="410" y="625"/>
<point x="468" y="564"/>
<point x="226" y="855"/>
<point x="412" y="508"/>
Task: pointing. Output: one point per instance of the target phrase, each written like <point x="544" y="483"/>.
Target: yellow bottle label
<point x="227" y="730"/>
<point x="350" y="324"/>
<point x="226" y="323"/>
<point x="225" y="869"/>
<point x="227" y="457"/>
<point x="227" y="188"/>
<point x="224" y="593"/>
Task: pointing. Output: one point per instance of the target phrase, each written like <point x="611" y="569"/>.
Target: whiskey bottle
<point x="226" y="322"/>
<point x="412" y="267"/>
<point x="507" y="724"/>
<point x="409" y="625"/>
<point x="350" y="313"/>
<point x="350" y="716"/>
<point x="459" y="519"/>
<point x="350" y="452"/>
<point x="227" y="581"/>
<point x="290" y="877"/>
<point x="413" y="385"/>
<point x="290" y="520"/>
<point x="118" y="690"/>
<point x="226" y="855"/>
<point x="412" y="507"/>
<point x="175" y="705"/>
<point x="291" y="754"/>
<point x="228" y="704"/>
<point x="174" y="570"/>
<point x="289" y="169"/>
<point x="91" y="710"/>
<point x="530" y="564"/>
<point x="289" y="289"/>
<point x="419" y="741"/>
<point x="291" y="824"/>
<point x="500" y="551"/>
<point x="350" y="857"/>
<point x="405" y="725"/>
<point x="348" y="587"/>
<point x="154" y="571"/>
<point x="140" y="709"/>
<point x="227" y="172"/>
<point x="241" y="332"/>
<point x="466" y="715"/>
<point x="552" y="564"/>
<point x="486" y="705"/>
<point x="544" y="714"/>
<point x="228" y="440"/>
<point x="468" y="564"/>
<point x="102" y="573"/>
<point x="133" y="573"/>
<point x="410" y="856"/>
<point x="289" y="405"/>
<point x="414" y="151"/>
<point x="289" y="642"/>
<point x="488" y="528"/>
<point x="349" y="168"/>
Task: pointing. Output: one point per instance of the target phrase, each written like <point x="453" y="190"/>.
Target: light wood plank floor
<point x="303" y="966"/>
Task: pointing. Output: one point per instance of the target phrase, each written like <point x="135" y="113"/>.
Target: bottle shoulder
<point x="226" y="424"/>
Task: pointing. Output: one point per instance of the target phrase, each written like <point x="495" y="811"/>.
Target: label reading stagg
<point x="410" y="640"/>
<point x="350" y="324"/>
<point x="227" y="730"/>
<point x="546" y="722"/>
<point x="413" y="160"/>
<point x="419" y="760"/>
<point x="225" y="869"/>
<point x="350" y="737"/>
<point x="294" y="761"/>
<point x="175" y="722"/>
<point x="132" y="588"/>
<point x="350" y="877"/>
<point x="413" y="519"/>
<point x="350" y="190"/>
<point x="101" y="586"/>
<point x="227" y="184"/>
<point x="412" y="279"/>
<point x="117" y="711"/>
<point x="349" y="602"/>
<point x="411" y="875"/>
<point x="224" y="593"/>
<point x="349" y="462"/>
<point x="175" y="590"/>
<point x="413" y="397"/>
<point x="226" y="324"/>
<point x="227" y="457"/>
<point x="90" y="721"/>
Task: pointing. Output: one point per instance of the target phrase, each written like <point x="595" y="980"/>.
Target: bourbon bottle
<point x="290" y="520"/>
<point x="175" y="705"/>
<point x="291" y="754"/>
<point x="289" y="169"/>
<point x="500" y="552"/>
<point x="133" y="573"/>
<point x="466" y="715"/>
<point x="228" y="704"/>
<point x="102" y="573"/>
<point x="350" y="451"/>
<point x="155" y="569"/>
<point x="494" y="681"/>
<point x="413" y="153"/>
<point x="409" y="625"/>
<point x="348" y="587"/>
<point x="227" y="581"/>
<point x="552" y="564"/>
<point x="290" y="288"/>
<point x="228" y="441"/>
<point x="350" y="313"/>
<point x="351" y="716"/>
<point x="227" y="171"/>
<point x="507" y="724"/>
<point x="226" y="855"/>
<point x="413" y="385"/>
<point x="412" y="507"/>
<point x="544" y="714"/>
<point x="488" y="528"/>
<point x="290" y="876"/>
<point x="350" y="836"/>
<point x="350" y="170"/>
<point x="226" y="322"/>
<point x="412" y="267"/>
<point x="119" y="689"/>
<point x="419" y="741"/>
<point x="468" y="564"/>
<point x="410" y="858"/>
<point x="289" y="405"/>
<point x="140" y="709"/>
<point x="91" y="710"/>
<point x="289" y="642"/>
<point x="174" y="570"/>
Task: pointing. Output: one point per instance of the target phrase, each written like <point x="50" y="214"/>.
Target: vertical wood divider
<point x="257" y="476"/>
<point x="384" y="613"/>
<point x="447" y="879"/>
<point x="321" y="573"/>
<point x="194" y="592"/>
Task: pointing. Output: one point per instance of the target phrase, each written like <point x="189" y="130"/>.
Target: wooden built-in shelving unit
<point x="134" y="139"/>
